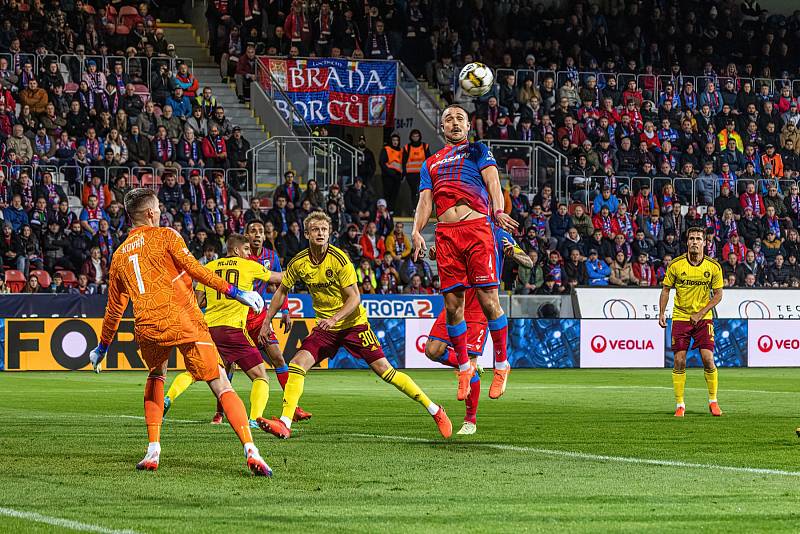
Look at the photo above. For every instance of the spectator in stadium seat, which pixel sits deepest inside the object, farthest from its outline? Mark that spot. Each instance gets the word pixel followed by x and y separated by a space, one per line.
pixel 11 249
pixel 750 198
pixel 397 243
pixel 189 151
pixel 105 240
pixel 147 121
pixel 183 78
pixel 215 149
pixel 32 285
pixel 140 150
pixel 91 215
pixel 607 199
pixel 171 123
pixel 750 227
pixel 14 214
pixel 20 145
pixel 162 151
pixel 180 104
pixel 582 221
pixel 237 158
pixel 83 287
pixel 520 205
pixel 35 97
pixel 358 202
pixel 730 266
pixel 281 215
pixel 223 124
pixel 54 193
pixel 254 212
pixel 58 287
pixel 559 223
pixel 210 215
pixel 288 189
pixel 120 188
pixel 226 196
pixel 597 270
pixel 198 123
pixel 772 246
pixel 245 73
pixel 160 85
pixel 313 194
pixel 54 245
pixel 643 271
pixel 622 271
pixel 778 274
pixel 295 241
pixel 170 193
pixel 575 267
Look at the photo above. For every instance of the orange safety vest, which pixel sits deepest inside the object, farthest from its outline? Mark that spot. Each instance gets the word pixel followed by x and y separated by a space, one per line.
pixel 416 157
pixel 394 158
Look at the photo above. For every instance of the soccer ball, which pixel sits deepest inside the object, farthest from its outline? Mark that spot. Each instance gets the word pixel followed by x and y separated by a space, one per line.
pixel 476 79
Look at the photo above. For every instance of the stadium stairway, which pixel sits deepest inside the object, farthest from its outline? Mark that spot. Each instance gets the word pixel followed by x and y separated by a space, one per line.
pixel 188 45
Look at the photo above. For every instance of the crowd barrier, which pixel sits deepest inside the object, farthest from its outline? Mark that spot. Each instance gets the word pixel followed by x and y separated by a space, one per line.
pixel 751 336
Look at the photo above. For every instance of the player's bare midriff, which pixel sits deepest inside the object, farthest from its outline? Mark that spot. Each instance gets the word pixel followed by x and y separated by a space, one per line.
pixel 458 213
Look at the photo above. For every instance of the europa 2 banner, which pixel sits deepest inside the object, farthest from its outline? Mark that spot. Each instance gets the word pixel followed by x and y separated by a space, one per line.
pixel 333 90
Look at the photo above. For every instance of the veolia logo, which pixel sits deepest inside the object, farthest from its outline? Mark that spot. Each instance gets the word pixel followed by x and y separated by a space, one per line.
pixel 600 343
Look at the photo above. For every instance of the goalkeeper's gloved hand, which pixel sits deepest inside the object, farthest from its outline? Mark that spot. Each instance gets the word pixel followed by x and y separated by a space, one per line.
pixel 97 355
pixel 248 298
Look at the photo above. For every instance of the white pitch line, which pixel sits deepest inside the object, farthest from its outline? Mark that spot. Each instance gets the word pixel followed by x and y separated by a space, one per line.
pixel 59 522
pixel 604 458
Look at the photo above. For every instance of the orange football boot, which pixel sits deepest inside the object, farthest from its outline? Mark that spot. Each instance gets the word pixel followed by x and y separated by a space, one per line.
pixel 301 415
pixel 443 422
pixel 679 411
pixel 714 408
pixel 274 426
pixel 499 383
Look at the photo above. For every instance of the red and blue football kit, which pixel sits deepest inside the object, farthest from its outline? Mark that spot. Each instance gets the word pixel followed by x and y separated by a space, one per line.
pixel 269 259
pixel 465 249
pixel 477 323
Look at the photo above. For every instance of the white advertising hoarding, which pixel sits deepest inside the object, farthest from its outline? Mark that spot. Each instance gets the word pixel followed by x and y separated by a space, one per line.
pixel 619 302
pixel 622 343
pixel 416 336
pixel 773 343
pixel 759 304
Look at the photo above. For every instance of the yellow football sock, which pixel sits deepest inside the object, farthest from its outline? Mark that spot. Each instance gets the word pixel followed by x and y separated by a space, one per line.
pixel 259 395
pixel 712 382
pixel 404 383
pixel 292 392
pixel 180 384
pixel 679 384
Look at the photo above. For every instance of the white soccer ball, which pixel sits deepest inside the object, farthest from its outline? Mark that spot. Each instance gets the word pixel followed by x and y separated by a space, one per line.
pixel 476 79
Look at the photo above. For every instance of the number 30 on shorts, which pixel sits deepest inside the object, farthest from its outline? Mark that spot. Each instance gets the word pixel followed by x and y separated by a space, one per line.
pixel 368 338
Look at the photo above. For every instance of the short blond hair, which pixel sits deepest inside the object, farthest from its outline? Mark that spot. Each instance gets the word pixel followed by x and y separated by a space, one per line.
pixel 316 216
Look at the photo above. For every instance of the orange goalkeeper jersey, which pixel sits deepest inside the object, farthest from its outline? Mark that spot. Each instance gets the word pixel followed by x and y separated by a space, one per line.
pixel 154 269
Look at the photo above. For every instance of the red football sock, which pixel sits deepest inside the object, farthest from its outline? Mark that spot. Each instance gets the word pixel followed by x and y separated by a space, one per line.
pixel 458 337
pixel 449 358
pixel 154 407
pixel 499 331
pixel 282 374
pixel 472 399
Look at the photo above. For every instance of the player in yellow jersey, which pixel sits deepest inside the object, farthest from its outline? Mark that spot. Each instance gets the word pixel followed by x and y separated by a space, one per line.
pixel 341 322
pixel 697 280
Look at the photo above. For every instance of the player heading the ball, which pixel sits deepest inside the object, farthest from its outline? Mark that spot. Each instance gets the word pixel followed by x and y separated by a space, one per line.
pixel 461 180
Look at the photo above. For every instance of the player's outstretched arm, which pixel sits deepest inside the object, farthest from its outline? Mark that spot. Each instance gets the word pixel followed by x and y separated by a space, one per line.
pixel 421 217
pixel 117 302
pixel 184 260
pixel 492 180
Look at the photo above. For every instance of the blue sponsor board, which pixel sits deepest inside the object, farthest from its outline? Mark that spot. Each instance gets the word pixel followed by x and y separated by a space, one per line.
pixel 380 306
pixel 544 343
pixel 730 340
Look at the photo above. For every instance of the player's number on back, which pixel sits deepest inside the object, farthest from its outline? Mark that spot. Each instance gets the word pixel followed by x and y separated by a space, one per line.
pixel 231 276
pixel 134 259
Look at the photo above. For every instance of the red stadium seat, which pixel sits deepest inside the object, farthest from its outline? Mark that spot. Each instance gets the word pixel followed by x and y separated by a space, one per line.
pixel 44 278
pixel 89 9
pixel 69 278
pixel 139 88
pixel 111 11
pixel 70 87
pixel 122 30
pixel 15 280
pixel 24 7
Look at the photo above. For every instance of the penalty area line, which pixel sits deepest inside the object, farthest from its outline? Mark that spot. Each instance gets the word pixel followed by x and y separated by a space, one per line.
pixel 603 458
pixel 59 522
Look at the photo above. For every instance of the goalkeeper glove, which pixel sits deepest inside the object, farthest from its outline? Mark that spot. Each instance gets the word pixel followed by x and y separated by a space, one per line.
pixel 97 355
pixel 248 298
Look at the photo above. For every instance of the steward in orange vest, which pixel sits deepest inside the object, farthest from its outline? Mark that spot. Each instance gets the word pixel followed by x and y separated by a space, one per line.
pixel 414 155
pixel 391 162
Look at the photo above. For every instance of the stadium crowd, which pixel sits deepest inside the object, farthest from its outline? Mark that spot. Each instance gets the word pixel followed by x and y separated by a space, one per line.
pixel 668 115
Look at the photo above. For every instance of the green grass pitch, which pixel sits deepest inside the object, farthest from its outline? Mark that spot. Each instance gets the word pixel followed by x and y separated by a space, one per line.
pixel 371 459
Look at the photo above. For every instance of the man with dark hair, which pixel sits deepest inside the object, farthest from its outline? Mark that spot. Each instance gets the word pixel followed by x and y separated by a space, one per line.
pixel 694 276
